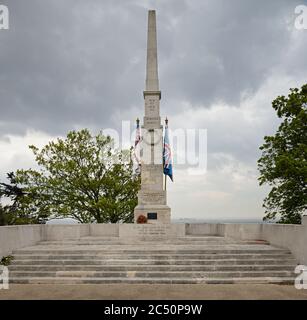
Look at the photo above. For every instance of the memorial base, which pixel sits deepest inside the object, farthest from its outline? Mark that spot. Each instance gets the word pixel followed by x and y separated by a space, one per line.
pixel 154 214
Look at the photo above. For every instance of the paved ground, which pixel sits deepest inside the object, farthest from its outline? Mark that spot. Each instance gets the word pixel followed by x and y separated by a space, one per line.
pixel 140 291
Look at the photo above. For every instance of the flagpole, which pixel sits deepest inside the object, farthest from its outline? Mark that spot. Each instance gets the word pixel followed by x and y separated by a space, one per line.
pixel 163 171
pixel 166 125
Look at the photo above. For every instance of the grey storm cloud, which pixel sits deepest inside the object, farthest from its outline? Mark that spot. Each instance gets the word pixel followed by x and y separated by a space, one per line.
pixel 67 63
pixel 76 63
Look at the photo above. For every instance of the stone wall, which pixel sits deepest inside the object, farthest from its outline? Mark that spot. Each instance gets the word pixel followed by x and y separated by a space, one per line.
pixel 14 237
pixel 64 232
pixel 292 237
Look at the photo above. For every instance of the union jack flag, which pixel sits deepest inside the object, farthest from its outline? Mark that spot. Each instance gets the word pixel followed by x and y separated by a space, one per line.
pixel 167 154
pixel 137 148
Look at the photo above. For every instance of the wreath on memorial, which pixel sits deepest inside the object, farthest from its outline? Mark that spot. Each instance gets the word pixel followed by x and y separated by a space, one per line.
pixel 141 219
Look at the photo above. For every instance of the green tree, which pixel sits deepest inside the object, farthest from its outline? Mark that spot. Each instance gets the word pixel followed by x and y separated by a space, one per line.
pixel 2 216
pixel 15 212
pixel 283 164
pixel 82 177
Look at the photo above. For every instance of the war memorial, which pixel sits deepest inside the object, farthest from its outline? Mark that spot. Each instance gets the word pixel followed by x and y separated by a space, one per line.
pixel 159 251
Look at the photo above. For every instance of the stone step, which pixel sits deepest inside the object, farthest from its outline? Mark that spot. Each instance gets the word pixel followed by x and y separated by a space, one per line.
pixel 73 280
pixel 124 242
pixel 143 256
pixel 222 239
pixel 190 268
pixel 152 274
pixel 153 262
pixel 117 239
pixel 188 239
pixel 165 241
pixel 192 259
pixel 142 250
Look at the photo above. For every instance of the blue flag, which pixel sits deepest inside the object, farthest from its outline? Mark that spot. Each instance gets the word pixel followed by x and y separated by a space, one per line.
pixel 167 155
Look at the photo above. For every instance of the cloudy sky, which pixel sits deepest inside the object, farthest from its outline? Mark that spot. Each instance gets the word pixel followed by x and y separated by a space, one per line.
pixel 72 64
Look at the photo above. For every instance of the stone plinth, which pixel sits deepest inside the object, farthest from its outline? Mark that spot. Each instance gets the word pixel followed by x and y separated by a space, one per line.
pixel 163 213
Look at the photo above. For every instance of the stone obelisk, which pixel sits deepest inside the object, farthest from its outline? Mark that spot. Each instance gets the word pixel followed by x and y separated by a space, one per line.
pixel 152 196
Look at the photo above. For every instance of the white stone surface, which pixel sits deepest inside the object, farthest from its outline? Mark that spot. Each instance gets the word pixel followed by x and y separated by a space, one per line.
pixel 152 81
pixel 163 212
pixel 152 197
pixel 292 237
pixel 62 232
pixel 151 256
pixel 13 237
pixel 104 229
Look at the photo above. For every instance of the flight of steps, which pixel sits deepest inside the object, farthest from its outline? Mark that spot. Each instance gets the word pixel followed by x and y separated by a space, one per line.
pixel 191 259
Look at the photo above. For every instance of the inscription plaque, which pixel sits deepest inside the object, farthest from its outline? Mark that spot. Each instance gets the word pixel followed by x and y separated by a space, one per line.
pixel 152 216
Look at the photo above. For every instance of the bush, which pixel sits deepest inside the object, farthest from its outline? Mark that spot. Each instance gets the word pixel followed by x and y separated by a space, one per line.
pixel 6 261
